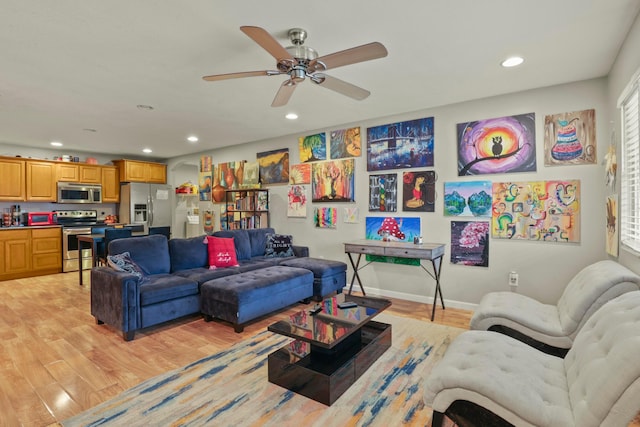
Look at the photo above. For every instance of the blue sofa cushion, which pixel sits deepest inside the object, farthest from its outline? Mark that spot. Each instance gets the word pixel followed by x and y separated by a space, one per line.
pixel 151 253
pixel 165 287
pixel 241 240
pixel 258 239
pixel 188 253
pixel 321 267
pixel 203 274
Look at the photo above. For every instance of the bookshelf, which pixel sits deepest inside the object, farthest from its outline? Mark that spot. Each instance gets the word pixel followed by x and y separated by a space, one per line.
pixel 246 209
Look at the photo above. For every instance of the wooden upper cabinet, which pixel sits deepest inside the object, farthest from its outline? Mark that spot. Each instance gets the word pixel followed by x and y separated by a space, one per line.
pixel 12 180
pixel 110 185
pixel 90 174
pixel 140 171
pixel 41 181
pixel 74 172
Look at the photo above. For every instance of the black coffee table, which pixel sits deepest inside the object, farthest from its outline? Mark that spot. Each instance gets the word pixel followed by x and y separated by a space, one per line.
pixel 332 347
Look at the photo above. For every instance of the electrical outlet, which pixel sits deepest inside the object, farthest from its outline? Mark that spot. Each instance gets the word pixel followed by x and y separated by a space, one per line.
pixel 513 279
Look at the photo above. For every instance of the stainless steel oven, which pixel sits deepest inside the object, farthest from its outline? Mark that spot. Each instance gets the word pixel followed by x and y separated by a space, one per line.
pixel 73 224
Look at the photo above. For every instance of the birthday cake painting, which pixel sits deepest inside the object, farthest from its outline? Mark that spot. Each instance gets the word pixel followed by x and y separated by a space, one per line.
pixel 570 138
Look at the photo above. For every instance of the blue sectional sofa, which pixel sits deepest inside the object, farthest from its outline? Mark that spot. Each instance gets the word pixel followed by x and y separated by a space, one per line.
pixel 175 270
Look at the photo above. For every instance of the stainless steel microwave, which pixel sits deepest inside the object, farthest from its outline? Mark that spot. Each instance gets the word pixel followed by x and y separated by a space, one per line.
pixel 70 192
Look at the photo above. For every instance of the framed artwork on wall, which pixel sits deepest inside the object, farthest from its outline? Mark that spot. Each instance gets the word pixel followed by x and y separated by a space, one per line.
pixel 274 166
pixel 313 147
pixel 325 217
pixel 345 143
pixel 419 191
pixel 297 201
pixel 468 198
pixel 612 225
pixel 400 145
pixel 300 174
pixel 383 193
pixel 500 145
pixel 547 211
pixel 570 138
pixel 392 229
pixel 470 243
pixel 333 181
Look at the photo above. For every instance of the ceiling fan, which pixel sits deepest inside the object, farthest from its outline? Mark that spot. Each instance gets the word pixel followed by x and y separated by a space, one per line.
pixel 299 61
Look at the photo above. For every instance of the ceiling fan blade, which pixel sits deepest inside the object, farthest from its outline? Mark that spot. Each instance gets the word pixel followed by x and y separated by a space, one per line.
pixel 284 93
pixel 267 42
pixel 340 86
pixel 354 55
pixel 216 77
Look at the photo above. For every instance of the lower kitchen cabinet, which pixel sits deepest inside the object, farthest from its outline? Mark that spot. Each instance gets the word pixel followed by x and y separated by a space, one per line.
pixel 30 252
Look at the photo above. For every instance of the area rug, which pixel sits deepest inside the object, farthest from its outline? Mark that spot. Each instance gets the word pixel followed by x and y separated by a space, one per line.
pixel 230 388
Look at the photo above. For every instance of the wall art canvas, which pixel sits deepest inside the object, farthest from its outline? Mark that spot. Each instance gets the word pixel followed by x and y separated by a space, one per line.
pixel 313 147
pixel 251 173
pixel 206 164
pixel 419 191
pixel 274 166
pixel 570 138
pixel 546 211
pixel 392 229
pixel 345 143
pixel 400 145
pixel 325 217
pixel 351 215
pixel 204 186
pixel 300 174
pixel 500 145
pixel 470 243
pixel 333 181
pixel 468 198
pixel 383 193
pixel 612 225
pixel 231 174
pixel 297 201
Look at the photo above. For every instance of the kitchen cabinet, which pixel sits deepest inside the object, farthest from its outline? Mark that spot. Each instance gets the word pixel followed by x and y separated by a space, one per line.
pixel 141 171
pixel 15 251
pixel 68 172
pixel 41 181
pixel 74 172
pixel 46 250
pixel 110 185
pixel 12 181
pixel 90 174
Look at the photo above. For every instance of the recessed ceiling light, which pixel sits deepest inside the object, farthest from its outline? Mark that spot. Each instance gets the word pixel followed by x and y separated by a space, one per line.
pixel 56 143
pixel 512 62
pixel 144 107
pixel 291 116
pixel 147 150
pixel 192 138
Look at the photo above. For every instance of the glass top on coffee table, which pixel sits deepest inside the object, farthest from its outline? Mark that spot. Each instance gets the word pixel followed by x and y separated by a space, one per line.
pixel 331 324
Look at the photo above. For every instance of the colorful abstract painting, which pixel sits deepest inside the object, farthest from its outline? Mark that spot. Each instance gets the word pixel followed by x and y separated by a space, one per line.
pixel 400 145
pixel 313 147
pixel 345 143
pixel 392 229
pixel 383 193
pixel 468 198
pixel 274 166
pixel 325 217
pixel 470 243
pixel 333 181
pixel 205 179
pixel 300 174
pixel 419 191
pixel 251 174
pixel 546 211
pixel 500 145
pixel 297 201
pixel 351 215
pixel 612 225
pixel 570 138
pixel 231 174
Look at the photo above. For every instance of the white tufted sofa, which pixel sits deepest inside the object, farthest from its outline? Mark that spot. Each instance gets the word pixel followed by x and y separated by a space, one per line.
pixel 596 384
pixel 552 328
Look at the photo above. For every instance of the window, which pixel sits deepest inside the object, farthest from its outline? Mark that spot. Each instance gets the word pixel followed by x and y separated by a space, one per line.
pixel 630 182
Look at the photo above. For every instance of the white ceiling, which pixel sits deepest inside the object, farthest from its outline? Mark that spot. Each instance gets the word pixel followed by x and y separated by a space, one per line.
pixel 72 65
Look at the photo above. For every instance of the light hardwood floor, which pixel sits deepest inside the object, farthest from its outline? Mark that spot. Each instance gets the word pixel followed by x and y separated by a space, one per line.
pixel 56 362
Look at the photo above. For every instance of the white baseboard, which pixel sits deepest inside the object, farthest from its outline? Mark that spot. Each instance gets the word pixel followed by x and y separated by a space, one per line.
pixel 417 298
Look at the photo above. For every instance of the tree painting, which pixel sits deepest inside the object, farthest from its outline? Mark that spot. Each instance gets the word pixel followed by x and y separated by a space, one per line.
pixel 470 243
pixel 313 147
pixel 333 181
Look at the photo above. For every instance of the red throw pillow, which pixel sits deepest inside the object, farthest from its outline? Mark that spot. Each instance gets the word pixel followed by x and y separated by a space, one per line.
pixel 222 252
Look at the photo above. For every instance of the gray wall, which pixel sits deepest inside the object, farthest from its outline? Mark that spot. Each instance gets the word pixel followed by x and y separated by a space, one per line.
pixel 544 268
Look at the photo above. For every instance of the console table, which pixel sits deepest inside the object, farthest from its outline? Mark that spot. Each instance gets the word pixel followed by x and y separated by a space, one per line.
pixel 428 251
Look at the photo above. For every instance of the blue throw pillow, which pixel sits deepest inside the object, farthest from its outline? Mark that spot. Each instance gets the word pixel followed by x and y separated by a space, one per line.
pixel 123 262
pixel 278 245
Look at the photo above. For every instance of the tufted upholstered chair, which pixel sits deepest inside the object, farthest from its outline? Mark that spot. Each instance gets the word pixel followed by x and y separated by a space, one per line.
pixel 486 378
pixel 552 328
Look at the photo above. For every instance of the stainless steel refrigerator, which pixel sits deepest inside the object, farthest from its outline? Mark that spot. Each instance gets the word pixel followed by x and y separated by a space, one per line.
pixel 146 204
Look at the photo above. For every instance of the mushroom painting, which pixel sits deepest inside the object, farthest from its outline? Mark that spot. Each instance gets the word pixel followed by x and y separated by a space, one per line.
pixel 390 230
